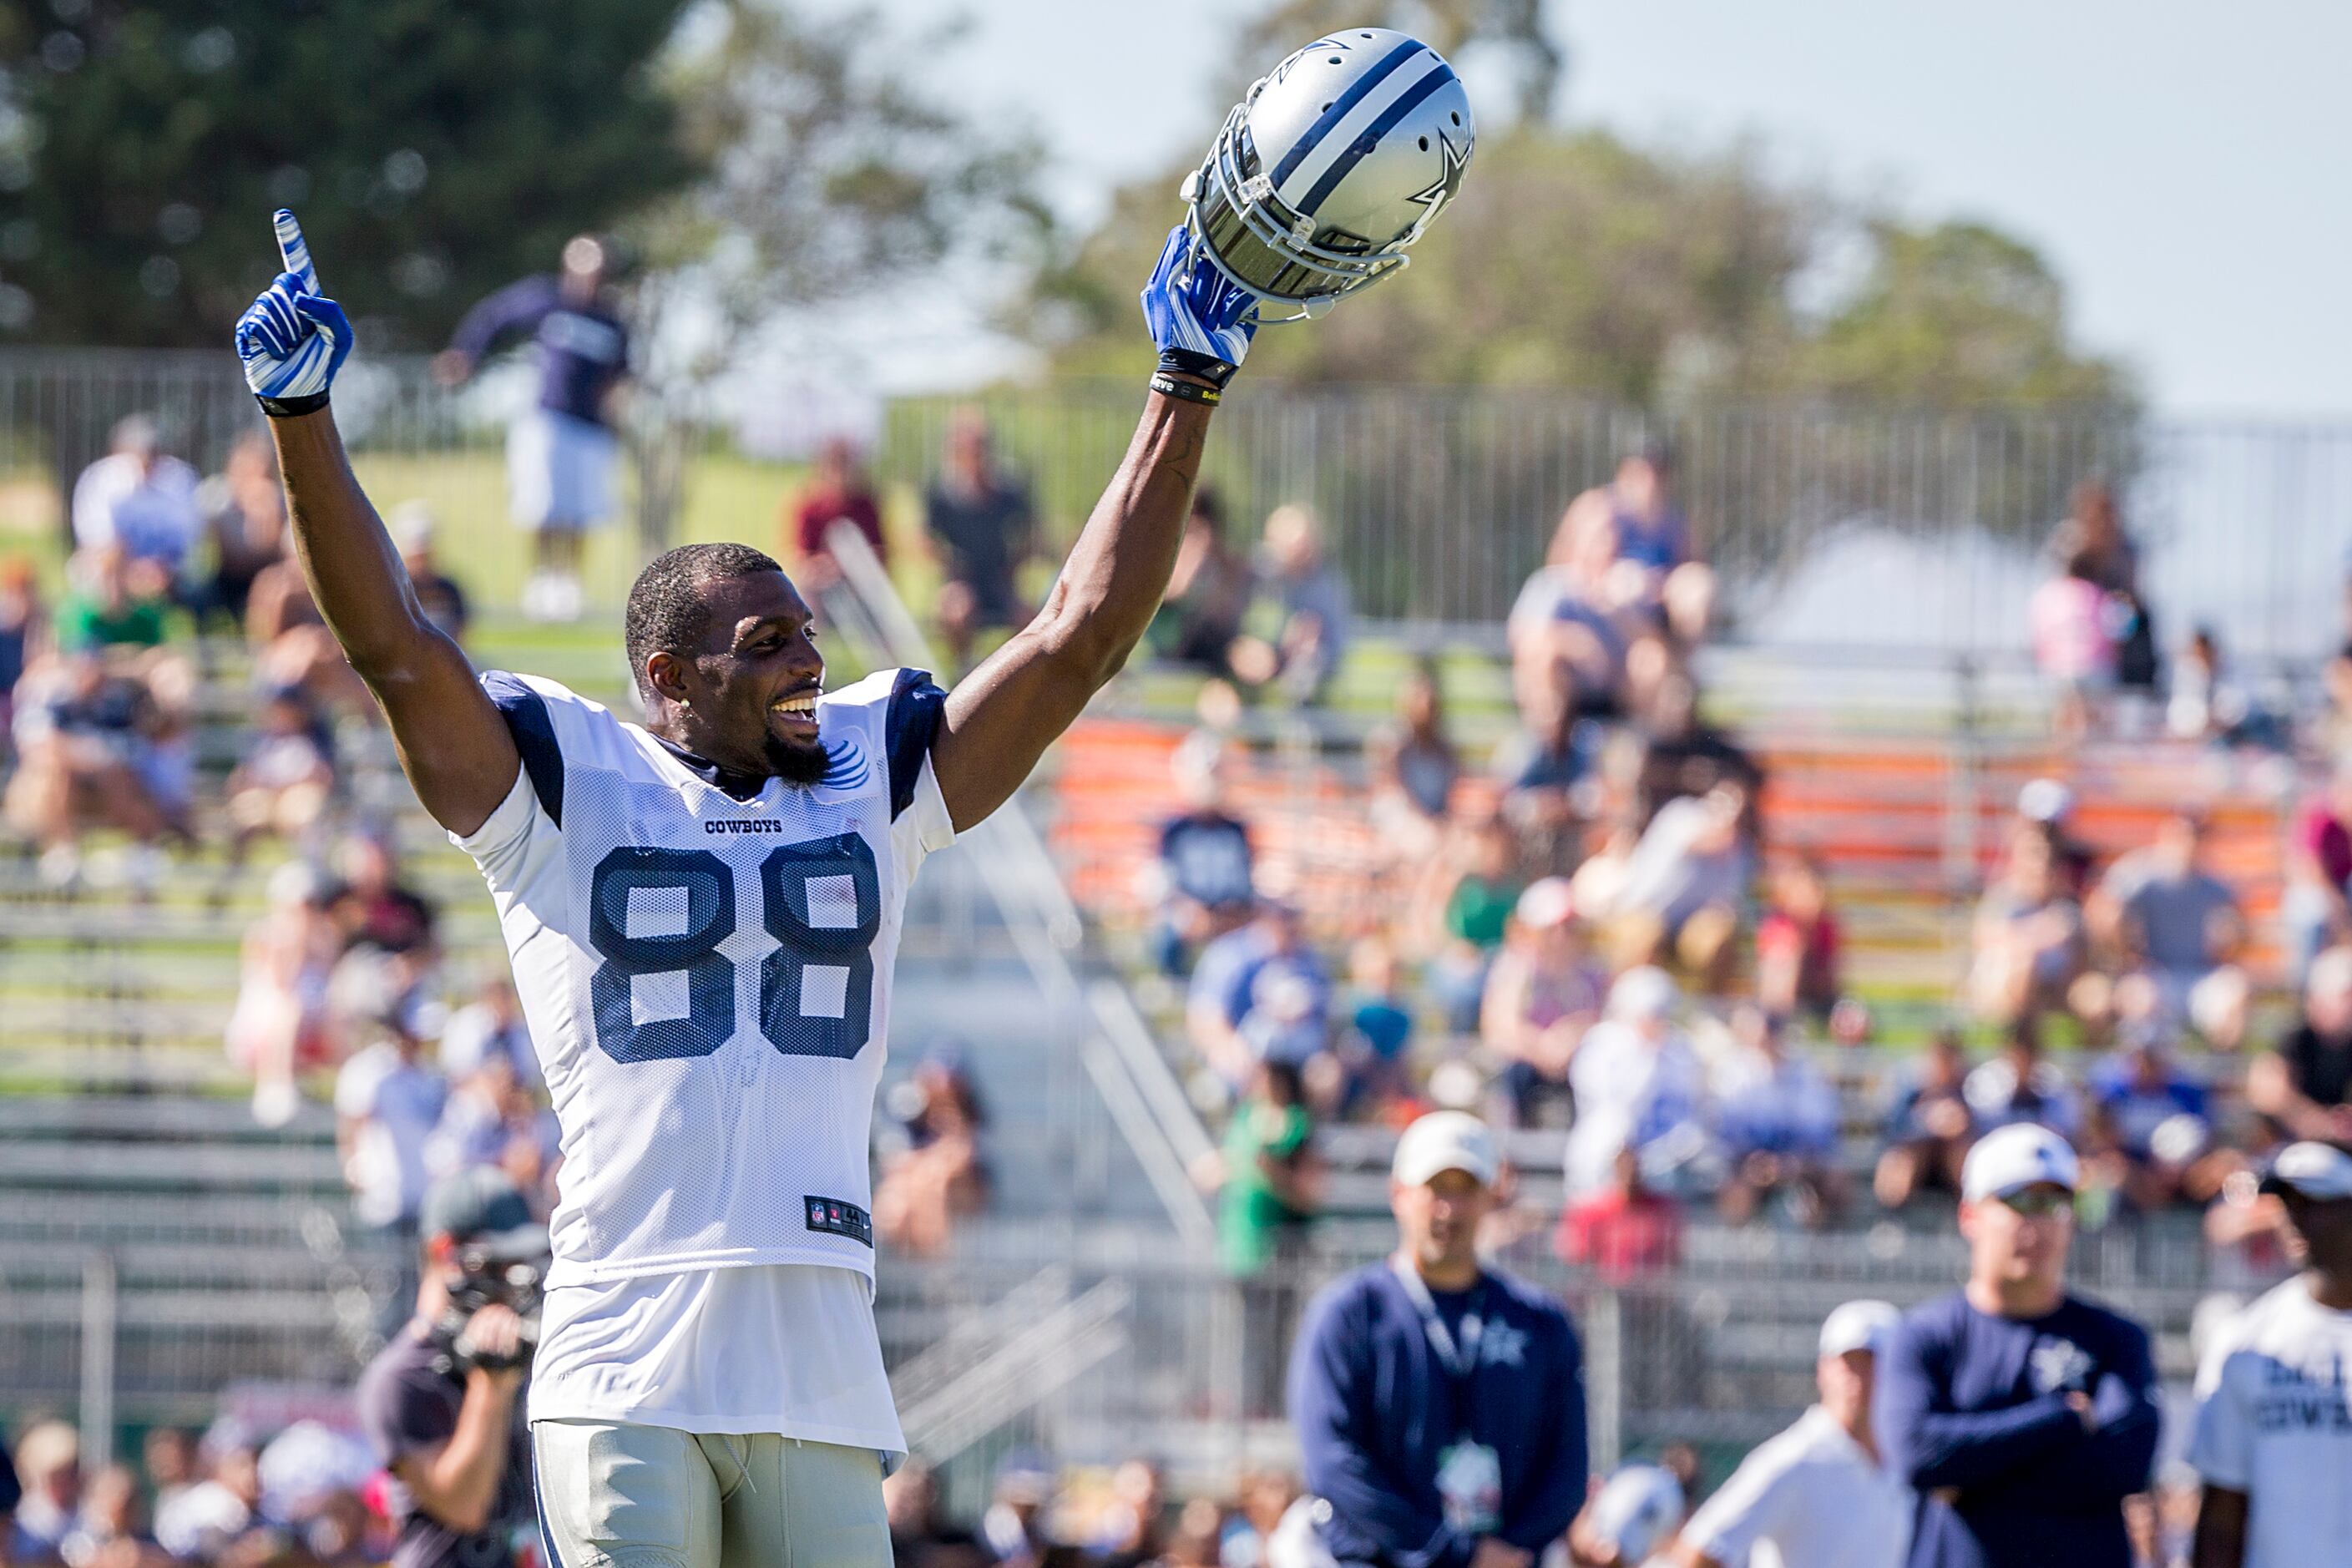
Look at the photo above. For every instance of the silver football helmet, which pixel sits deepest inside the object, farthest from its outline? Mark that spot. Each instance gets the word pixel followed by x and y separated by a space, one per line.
pixel 1336 161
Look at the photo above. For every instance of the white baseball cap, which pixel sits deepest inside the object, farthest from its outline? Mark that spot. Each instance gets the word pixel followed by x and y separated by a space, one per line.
pixel 2014 1158
pixel 2320 1171
pixel 2044 800
pixel 1547 904
pixel 1447 1141
pixel 1646 991
pixel 1864 1325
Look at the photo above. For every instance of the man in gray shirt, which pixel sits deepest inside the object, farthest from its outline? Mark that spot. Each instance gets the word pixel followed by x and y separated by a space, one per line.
pixel 2177 926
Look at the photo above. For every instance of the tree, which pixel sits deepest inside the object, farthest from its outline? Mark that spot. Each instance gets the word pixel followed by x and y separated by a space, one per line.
pixel 1574 260
pixel 433 151
pixel 829 172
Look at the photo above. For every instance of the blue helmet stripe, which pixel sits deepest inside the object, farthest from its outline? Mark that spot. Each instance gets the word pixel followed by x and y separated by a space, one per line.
pixel 1341 105
pixel 1370 138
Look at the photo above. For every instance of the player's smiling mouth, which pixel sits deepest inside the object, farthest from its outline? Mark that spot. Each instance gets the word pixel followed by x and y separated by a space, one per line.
pixel 798 711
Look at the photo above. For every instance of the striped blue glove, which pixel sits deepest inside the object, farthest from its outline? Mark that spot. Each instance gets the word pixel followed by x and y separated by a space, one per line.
pixel 1202 321
pixel 292 339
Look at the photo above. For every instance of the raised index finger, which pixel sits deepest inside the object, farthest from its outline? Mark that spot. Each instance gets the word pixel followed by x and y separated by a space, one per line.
pixel 296 254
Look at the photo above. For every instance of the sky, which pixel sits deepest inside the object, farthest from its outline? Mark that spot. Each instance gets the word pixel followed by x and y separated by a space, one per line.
pixel 2183 165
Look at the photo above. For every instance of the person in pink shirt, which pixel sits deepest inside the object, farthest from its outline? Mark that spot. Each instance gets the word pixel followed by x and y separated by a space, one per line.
pixel 2073 643
pixel 2319 872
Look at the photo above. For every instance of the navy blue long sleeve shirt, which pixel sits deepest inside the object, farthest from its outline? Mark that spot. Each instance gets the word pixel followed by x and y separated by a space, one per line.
pixel 1972 1411
pixel 1374 1408
pixel 584 349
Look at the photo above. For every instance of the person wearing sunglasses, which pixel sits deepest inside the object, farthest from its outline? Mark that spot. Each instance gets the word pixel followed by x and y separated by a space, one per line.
pixel 2022 1413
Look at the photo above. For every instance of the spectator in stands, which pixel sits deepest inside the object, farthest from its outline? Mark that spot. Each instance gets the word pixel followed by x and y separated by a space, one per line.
pixel 1463 905
pixel 110 1527
pixel 1268 1182
pixel 1682 754
pixel 2028 936
pixel 24 626
pixel 838 492
pixel 205 1522
pixel 922 1535
pixel 1540 766
pixel 1684 885
pixel 2023 1416
pixel 1439 1404
pixel 244 508
pixel 1204 869
pixel 2313 908
pixel 140 499
pixel 1018 1525
pixel 935 1172
pixel 1542 993
pixel 2302 1086
pixel 1623 1230
pixel 561 452
pixel 2156 1116
pixel 2047 807
pixel 388 1100
pixel 1638 1086
pixel 373 906
pixel 1798 943
pixel 2093 534
pixel 292 647
pixel 119 601
pixel 86 743
pixel 1570 628
pixel 1775 1115
pixel 1132 1528
pixel 280 1025
pixel 1930 1129
pixel 2019 1083
pixel 490 1025
pixel 2204 703
pixel 1818 1492
pixel 413 527
pixel 168 1457
pixel 474 1129
pixel 282 784
pixel 49 1468
pixel 1311 596
pixel 1412 766
pixel 453 1435
pixel 2177 926
pixel 1377 1038
pixel 1654 533
pixel 1227 980
pixel 1208 594
pixel 980 520
pixel 2073 643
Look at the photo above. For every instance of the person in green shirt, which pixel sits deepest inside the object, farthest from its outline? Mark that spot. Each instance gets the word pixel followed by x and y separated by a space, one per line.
pixel 1267 1194
pixel 122 608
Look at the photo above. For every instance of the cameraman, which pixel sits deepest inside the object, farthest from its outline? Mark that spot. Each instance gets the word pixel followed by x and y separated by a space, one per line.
pixel 442 1401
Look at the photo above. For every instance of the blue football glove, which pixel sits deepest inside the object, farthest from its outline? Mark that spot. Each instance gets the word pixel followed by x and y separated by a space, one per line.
pixel 1202 321
pixel 292 339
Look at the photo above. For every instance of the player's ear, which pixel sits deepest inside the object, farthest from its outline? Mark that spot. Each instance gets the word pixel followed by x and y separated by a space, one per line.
pixel 666 674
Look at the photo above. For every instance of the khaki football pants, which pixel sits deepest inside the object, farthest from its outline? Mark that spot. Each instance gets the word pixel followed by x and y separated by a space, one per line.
pixel 653 1497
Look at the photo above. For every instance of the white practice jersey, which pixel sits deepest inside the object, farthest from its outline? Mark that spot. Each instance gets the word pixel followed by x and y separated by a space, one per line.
pixel 705 965
pixel 2274 1421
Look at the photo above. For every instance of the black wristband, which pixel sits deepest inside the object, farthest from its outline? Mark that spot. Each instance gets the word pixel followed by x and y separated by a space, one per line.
pixel 1167 386
pixel 1208 367
pixel 287 407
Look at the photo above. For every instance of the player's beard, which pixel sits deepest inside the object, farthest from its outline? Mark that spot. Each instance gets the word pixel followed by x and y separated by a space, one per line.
pixel 801 763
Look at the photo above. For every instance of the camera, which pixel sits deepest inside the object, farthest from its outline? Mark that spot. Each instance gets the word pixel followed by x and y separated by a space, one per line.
pixel 519 1284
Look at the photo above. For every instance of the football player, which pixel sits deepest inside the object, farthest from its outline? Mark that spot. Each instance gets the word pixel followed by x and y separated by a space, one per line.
pixel 702 911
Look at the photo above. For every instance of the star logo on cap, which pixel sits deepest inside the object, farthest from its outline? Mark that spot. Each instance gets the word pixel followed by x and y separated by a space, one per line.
pixel 1452 160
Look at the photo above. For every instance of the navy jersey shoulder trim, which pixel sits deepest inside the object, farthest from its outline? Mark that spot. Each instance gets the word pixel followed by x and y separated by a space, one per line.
pixel 533 729
pixel 908 727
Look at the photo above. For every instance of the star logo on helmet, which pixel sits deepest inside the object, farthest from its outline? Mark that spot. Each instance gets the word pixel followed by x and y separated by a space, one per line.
pixel 1451 163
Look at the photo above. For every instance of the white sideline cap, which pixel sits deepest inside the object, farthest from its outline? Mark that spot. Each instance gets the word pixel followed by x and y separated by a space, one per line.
pixel 1447 1141
pixel 1864 1325
pixel 2320 1171
pixel 2014 1158
pixel 2044 800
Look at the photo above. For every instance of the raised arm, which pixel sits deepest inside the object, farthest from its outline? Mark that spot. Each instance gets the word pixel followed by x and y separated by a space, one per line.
pixel 1001 718
pixel 453 744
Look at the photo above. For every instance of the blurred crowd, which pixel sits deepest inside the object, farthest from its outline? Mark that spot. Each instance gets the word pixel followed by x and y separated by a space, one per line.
pixel 1593 935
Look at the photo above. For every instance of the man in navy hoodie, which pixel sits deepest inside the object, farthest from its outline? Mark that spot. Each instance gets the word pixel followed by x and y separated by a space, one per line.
pixel 2024 1416
pixel 1439 1404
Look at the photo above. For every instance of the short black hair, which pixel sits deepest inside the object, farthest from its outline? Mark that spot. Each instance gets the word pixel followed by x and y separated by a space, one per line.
pixel 666 612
